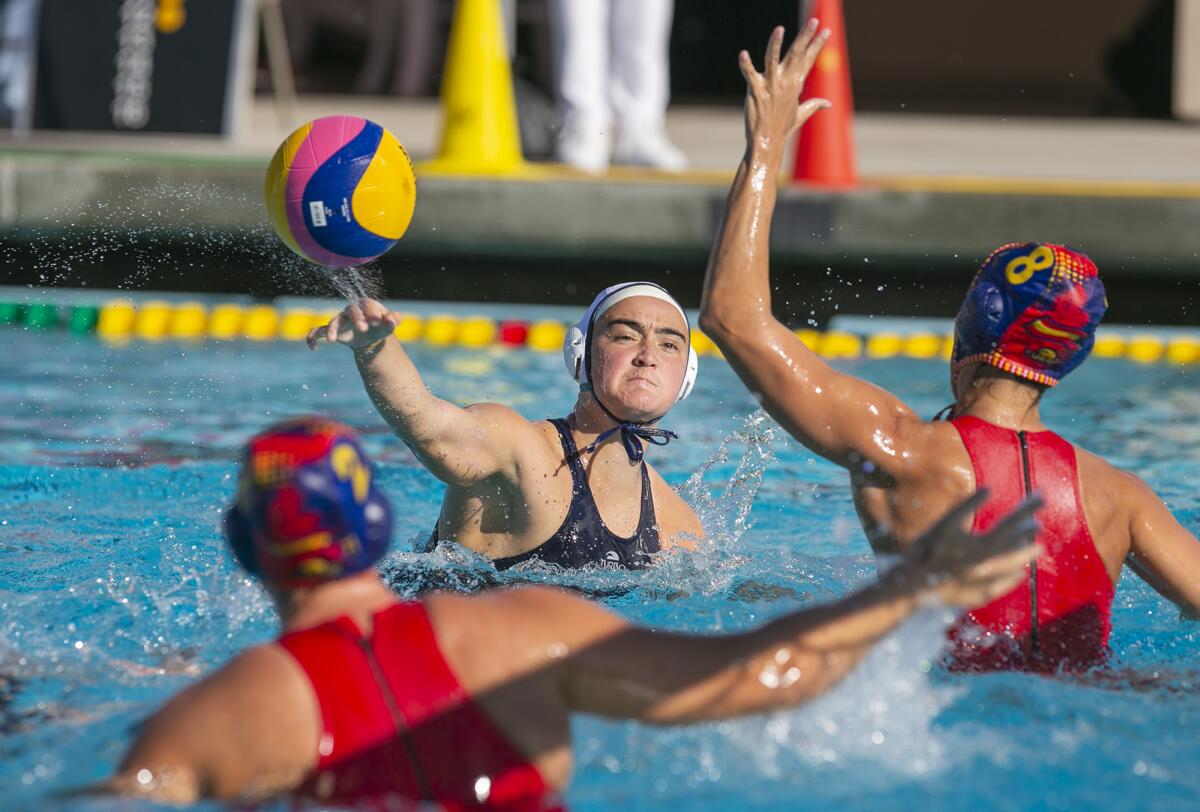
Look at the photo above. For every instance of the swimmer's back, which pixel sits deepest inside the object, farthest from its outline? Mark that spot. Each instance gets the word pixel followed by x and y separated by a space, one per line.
pixel 937 473
pixel 256 727
pixel 396 719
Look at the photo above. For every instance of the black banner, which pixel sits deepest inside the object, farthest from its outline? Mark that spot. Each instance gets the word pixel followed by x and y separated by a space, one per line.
pixel 164 66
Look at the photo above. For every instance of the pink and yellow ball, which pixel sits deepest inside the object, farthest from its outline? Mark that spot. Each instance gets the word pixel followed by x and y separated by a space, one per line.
pixel 340 191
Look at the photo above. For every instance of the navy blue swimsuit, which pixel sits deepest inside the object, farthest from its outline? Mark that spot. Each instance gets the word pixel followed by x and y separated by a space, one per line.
pixel 582 540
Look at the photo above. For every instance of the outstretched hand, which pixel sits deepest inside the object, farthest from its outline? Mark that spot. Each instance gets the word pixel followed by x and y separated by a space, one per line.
pixel 773 110
pixel 360 324
pixel 969 570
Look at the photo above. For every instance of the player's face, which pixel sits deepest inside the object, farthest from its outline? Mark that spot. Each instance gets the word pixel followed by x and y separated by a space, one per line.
pixel 639 357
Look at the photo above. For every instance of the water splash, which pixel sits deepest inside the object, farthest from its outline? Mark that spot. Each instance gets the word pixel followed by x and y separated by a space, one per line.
pixel 878 726
pixel 152 232
pixel 354 284
pixel 724 512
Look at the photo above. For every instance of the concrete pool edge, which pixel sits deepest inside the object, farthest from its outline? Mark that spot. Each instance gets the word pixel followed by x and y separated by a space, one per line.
pixel 899 222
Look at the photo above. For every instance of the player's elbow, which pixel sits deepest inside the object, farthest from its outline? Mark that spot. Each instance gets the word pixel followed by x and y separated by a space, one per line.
pixel 800 681
pixel 714 319
pixel 152 775
pixel 729 328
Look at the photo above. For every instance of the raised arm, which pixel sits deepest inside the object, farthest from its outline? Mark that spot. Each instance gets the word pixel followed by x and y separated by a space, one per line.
pixel 840 417
pixel 1163 552
pixel 459 446
pixel 620 671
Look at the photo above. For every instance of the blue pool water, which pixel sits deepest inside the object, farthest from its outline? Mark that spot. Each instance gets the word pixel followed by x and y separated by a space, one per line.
pixel 115 589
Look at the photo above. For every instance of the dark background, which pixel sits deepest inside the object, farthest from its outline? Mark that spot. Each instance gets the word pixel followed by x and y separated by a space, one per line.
pixel 77 46
pixel 1016 57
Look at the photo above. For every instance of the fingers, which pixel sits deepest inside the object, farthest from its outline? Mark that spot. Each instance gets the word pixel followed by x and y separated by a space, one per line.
pixel 373 309
pixel 999 566
pixel 375 313
pixel 331 329
pixel 808 57
pixel 746 66
pixel 989 579
pixel 357 320
pixel 811 108
pixel 803 38
pixel 1019 525
pixel 355 312
pixel 958 514
pixel 774 44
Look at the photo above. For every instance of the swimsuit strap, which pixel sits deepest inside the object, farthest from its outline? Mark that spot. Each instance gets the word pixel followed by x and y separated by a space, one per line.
pixel 582 490
pixel 647 516
pixel 571 452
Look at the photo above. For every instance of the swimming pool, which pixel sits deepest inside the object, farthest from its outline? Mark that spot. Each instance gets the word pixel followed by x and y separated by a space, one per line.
pixel 115 589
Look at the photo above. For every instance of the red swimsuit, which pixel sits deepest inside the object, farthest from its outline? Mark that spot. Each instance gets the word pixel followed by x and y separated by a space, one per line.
pixel 397 724
pixel 1068 590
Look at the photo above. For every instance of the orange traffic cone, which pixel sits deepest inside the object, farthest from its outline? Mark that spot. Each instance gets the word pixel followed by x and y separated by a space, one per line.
pixel 825 145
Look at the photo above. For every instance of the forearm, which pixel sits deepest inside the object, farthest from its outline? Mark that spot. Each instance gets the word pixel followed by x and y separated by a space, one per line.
pixel 459 446
pixel 737 287
pixel 862 617
pixel 1185 596
pixel 787 662
pixel 397 390
pixel 826 643
pixel 794 385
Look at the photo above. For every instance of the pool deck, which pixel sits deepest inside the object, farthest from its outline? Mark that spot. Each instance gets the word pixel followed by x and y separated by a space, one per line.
pixel 936 193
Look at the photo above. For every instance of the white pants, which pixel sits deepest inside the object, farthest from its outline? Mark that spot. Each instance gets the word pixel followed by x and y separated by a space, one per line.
pixel 611 61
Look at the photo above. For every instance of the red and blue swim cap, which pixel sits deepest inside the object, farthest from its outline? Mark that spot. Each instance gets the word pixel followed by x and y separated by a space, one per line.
pixel 1032 311
pixel 307 508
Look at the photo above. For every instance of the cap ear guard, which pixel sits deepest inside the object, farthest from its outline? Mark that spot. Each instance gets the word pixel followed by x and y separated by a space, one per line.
pixel 574 346
pixel 241 539
pixel 689 375
pixel 375 530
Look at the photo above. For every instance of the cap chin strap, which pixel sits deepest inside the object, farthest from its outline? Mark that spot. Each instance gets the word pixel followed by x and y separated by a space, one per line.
pixel 632 434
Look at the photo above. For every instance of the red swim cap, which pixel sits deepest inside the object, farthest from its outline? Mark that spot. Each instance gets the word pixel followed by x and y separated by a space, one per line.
pixel 307 508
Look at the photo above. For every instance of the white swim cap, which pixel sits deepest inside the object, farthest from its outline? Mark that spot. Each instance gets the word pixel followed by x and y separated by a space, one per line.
pixel 575 345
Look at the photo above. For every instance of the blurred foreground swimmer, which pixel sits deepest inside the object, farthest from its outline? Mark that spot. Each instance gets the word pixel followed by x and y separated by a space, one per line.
pixel 1029 318
pixel 572 492
pixel 465 701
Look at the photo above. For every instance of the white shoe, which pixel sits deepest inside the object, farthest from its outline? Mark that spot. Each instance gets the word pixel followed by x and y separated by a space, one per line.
pixel 648 147
pixel 583 147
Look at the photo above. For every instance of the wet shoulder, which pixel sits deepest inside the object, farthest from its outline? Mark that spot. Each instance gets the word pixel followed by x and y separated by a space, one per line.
pixel 497 415
pixel 534 440
pixel 925 448
pixel 1108 494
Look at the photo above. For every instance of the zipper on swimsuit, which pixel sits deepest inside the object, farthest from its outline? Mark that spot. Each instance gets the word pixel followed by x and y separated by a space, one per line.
pixel 398 720
pixel 1033 572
